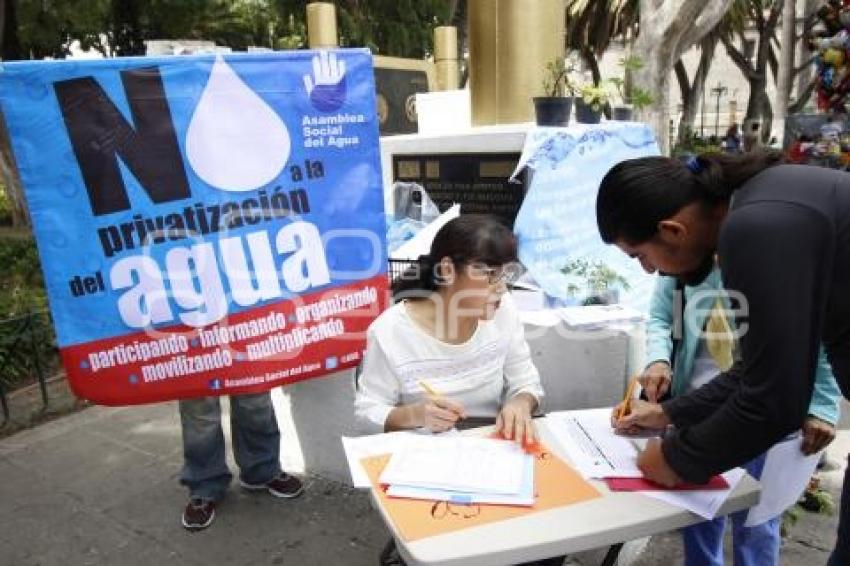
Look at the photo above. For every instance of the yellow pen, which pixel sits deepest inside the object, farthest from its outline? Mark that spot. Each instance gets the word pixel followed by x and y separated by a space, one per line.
pixel 625 408
pixel 435 394
pixel 428 389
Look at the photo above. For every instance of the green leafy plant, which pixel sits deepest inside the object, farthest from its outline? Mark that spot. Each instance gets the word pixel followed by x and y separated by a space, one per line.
pixel 641 98
pixel 27 342
pixel 597 275
pixel 789 518
pixel 814 500
pixel 557 79
pixel 631 63
pixel 620 85
pixel 5 208
pixel 637 97
pixel 595 96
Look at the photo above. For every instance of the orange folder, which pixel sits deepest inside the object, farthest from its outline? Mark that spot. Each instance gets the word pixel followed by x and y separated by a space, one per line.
pixel 556 485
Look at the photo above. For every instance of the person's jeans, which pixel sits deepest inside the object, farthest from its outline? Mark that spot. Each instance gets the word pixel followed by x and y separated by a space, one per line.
pixel 841 555
pixel 256 443
pixel 751 546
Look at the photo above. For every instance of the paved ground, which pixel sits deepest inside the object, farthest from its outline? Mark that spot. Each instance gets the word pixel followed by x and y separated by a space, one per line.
pixel 100 487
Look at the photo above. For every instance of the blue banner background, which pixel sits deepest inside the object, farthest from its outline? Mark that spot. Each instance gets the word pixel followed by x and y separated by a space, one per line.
pixel 348 197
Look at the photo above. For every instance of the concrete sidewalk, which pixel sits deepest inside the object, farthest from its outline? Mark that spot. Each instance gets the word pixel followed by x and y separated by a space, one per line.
pixel 100 487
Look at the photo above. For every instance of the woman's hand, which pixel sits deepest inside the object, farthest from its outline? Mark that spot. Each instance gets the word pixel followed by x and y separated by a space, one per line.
pixel 514 421
pixel 438 414
pixel 817 435
pixel 642 416
pixel 655 380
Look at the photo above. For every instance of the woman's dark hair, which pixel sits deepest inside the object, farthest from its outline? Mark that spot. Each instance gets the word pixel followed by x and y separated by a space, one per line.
pixel 469 238
pixel 637 194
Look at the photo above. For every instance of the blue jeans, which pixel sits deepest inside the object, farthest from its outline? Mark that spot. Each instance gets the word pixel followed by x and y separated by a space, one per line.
pixel 751 546
pixel 841 555
pixel 256 443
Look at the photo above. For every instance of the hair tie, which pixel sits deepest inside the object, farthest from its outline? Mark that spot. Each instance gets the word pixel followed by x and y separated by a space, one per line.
pixel 693 164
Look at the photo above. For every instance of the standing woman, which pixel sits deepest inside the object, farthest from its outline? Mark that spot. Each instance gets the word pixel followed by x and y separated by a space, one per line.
pixel 690 339
pixel 455 330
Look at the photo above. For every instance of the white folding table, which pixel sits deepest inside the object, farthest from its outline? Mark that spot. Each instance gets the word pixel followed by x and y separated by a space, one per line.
pixel 610 520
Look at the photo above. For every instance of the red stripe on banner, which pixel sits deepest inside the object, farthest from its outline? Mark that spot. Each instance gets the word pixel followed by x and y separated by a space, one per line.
pixel 249 352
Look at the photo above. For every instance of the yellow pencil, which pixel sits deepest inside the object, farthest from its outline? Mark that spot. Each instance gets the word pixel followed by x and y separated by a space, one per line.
pixel 630 390
pixel 428 389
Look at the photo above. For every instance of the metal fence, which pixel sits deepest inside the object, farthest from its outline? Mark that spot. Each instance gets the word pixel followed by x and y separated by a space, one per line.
pixel 27 353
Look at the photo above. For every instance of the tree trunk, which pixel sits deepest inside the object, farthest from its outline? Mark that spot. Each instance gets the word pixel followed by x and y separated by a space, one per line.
pixel 11 180
pixel 127 28
pixel 784 80
pixel 688 112
pixel 667 29
pixel 692 91
pixel 802 99
pixel 10 45
pixel 804 78
pixel 459 20
pixel 755 104
pixel 767 119
pixel 592 64
pixel 756 74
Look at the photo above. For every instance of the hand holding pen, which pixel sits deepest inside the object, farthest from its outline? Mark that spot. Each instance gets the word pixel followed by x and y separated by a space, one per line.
pixel 438 413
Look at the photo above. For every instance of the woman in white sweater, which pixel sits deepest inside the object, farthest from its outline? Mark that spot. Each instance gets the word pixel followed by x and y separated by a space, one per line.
pixel 455 330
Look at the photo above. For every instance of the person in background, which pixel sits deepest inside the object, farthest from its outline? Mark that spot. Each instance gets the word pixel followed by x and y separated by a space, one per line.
pixel 256 447
pixel 800 149
pixel 688 355
pixel 732 139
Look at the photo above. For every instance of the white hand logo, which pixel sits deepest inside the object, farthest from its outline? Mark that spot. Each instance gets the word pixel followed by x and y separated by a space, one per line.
pixel 326 70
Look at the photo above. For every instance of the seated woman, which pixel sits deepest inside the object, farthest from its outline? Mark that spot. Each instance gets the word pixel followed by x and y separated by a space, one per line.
pixel 453 330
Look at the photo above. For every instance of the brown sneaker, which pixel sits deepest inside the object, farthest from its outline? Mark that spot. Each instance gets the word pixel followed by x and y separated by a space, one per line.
pixel 198 515
pixel 284 485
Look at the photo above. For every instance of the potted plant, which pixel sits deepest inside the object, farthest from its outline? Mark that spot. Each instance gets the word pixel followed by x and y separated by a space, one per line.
pixel 632 98
pixel 602 283
pixel 554 108
pixel 591 103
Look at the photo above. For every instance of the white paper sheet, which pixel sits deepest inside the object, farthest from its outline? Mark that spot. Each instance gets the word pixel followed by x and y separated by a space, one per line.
pixel 458 463
pixel 359 447
pixel 704 503
pixel 785 475
pixel 524 497
pixel 599 315
pixel 595 449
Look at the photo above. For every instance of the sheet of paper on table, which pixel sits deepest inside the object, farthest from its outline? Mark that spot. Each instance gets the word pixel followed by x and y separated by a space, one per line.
pixel 590 442
pixel 458 463
pixel 524 497
pixel 359 447
pixel 704 503
pixel 592 316
pixel 598 452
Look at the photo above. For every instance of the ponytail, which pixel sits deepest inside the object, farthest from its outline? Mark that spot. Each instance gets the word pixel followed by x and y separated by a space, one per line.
pixel 721 174
pixel 417 277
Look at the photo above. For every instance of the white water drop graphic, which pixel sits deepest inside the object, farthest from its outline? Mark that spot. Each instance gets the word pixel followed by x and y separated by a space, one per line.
pixel 235 142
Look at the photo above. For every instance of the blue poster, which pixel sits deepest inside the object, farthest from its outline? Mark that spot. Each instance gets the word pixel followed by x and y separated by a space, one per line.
pixel 559 241
pixel 206 224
